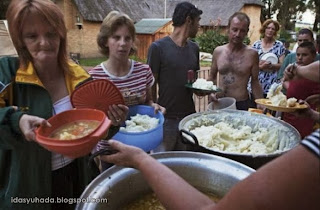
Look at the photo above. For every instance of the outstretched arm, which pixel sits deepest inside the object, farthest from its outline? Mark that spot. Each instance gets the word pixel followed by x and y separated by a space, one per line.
pixel 172 191
pixel 289 182
pixel 281 184
pixel 311 71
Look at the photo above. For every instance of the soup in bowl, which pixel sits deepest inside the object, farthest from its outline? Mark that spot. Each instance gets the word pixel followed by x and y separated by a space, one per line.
pixel 75 130
pixel 74 133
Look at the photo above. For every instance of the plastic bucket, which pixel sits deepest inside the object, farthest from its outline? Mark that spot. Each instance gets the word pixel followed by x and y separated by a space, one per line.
pixel 223 103
pixel 147 140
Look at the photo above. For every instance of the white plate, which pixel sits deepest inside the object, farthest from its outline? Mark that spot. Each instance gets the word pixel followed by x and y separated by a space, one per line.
pixel 271 57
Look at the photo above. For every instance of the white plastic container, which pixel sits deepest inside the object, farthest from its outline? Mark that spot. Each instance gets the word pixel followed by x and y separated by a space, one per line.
pixel 223 103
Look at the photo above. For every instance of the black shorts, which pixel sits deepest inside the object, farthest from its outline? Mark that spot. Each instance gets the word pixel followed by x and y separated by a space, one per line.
pixel 245 105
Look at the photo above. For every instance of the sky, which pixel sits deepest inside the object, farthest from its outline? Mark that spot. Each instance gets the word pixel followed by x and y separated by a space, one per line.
pixel 308 17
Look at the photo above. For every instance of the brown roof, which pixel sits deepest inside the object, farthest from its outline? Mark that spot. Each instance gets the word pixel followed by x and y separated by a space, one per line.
pixel 96 10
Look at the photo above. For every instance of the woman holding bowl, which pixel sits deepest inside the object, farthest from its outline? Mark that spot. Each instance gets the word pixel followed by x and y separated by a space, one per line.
pixel 271 53
pixel 134 79
pixel 34 87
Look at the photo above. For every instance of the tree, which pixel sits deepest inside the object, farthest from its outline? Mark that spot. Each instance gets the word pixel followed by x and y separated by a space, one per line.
pixel 285 10
pixel 314 6
pixel 266 11
pixel 3 8
pixel 213 37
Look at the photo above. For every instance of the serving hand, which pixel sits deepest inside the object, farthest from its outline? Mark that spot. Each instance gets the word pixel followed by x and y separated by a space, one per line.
pixel 290 72
pixel 29 123
pixel 127 156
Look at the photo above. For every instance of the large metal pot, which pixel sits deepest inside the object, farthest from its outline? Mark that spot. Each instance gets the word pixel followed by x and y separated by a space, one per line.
pixel 206 172
pixel 288 136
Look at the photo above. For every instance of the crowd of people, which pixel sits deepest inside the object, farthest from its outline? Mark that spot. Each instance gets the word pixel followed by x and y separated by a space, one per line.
pixel 38 83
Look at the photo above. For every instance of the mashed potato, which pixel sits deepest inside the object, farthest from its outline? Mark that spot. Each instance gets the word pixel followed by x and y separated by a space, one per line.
pixel 291 102
pixel 140 123
pixel 204 84
pixel 223 136
pixel 277 98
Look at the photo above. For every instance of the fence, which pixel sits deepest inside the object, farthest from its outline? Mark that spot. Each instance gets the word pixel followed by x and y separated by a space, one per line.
pixel 201 103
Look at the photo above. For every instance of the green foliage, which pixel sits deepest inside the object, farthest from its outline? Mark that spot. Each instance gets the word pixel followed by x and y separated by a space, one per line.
pixel 136 58
pixel 284 34
pixel 211 39
pixel 205 63
pixel 91 61
pixel 286 11
pixel 246 40
pixel 96 61
pixel 314 6
pixel 3 8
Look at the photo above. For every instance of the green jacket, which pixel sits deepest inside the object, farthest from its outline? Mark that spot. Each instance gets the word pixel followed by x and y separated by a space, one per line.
pixel 25 167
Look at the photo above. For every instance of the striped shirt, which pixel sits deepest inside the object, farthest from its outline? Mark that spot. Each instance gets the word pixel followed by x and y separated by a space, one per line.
pixel 133 86
pixel 312 142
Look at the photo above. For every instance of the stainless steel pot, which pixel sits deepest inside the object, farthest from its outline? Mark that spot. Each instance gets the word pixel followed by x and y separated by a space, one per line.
pixel 288 136
pixel 206 172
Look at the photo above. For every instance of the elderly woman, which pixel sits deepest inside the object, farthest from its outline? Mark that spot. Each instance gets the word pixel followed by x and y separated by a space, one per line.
pixel 34 87
pixel 268 44
pixel 134 79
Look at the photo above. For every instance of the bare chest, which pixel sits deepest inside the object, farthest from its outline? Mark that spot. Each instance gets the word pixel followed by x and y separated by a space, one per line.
pixel 236 64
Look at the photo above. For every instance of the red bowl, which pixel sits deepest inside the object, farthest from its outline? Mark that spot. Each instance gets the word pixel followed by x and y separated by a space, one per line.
pixel 77 147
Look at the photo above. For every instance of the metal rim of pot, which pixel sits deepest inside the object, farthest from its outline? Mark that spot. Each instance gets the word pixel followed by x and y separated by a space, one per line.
pixel 184 133
pixel 209 173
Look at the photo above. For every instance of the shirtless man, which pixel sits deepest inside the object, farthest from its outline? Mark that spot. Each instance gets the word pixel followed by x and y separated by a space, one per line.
pixel 236 63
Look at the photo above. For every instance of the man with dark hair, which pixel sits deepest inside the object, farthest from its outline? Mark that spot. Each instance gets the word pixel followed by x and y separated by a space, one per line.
pixel 170 58
pixel 304 35
pixel 236 63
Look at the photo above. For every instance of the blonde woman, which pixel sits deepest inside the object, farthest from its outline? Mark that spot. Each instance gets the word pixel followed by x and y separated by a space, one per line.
pixel 269 44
